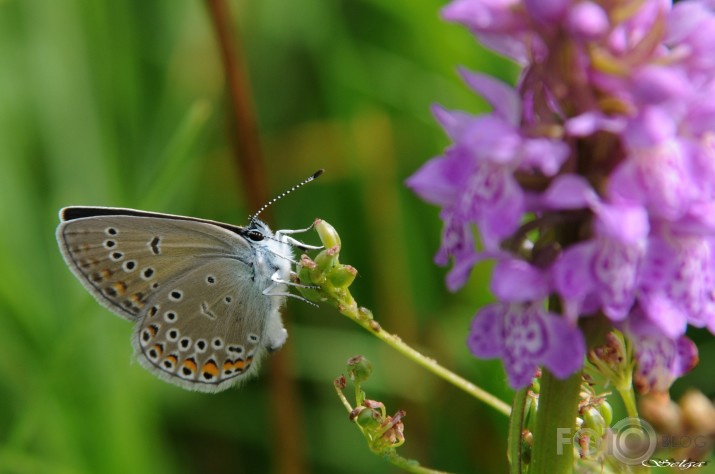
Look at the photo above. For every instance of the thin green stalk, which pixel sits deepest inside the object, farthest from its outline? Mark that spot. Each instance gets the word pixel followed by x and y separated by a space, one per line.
pixel 364 318
pixel 629 400
pixel 409 466
pixel 325 279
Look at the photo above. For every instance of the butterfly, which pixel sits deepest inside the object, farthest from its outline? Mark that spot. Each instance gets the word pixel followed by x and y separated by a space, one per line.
pixel 205 296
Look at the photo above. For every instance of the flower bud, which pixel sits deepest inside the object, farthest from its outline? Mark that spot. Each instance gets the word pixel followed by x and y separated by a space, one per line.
pixel 698 411
pixel 606 411
pixel 328 235
pixel 593 419
pixel 359 368
pixel 614 360
pixel 369 418
pixel 306 277
pixel 342 276
pixel 327 259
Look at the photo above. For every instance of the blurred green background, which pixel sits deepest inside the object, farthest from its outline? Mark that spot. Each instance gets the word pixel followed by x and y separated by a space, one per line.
pixel 124 104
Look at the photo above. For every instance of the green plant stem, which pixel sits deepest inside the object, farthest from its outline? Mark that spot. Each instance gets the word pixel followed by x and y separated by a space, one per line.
pixel 407 465
pixel 516 427
pixel 629 400
pixel 364 318
pixel 558 408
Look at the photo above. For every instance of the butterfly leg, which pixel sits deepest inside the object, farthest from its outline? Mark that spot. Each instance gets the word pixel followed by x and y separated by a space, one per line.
pixel 284 235
pixel 295 231
pixel 277 281
pixel 297 243
pixel 291 295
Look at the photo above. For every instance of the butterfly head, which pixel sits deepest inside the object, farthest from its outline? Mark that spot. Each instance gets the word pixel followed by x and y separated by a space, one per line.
pixel 258 230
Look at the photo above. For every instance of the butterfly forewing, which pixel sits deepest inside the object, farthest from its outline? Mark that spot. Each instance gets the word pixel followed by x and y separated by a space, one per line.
pixel 123 260
pixel 192 287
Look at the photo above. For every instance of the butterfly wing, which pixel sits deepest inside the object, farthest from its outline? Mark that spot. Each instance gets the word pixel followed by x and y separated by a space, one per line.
pixel 206 330
pixel 195 290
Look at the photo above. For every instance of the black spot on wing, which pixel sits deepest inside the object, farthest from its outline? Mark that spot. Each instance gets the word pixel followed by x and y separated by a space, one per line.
pixel 154 244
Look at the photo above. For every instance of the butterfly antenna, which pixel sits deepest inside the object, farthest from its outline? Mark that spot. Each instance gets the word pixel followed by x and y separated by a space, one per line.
pixel 285 193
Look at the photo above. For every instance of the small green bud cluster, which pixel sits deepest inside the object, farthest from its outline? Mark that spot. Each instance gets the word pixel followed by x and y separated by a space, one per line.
pixel 325 278
pixel 382 432
pixel 613 361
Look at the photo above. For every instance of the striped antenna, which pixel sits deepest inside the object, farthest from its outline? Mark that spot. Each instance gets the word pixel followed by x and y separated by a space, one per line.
pixel 285 193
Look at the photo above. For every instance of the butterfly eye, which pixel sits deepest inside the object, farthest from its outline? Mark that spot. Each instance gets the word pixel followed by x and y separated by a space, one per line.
pixel 254 235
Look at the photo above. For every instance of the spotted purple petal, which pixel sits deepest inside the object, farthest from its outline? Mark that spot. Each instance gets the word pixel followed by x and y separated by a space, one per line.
pixel 526 336
pixel 457 240
pixel 677 283
pixel 663 313
pixel 486 338
pixel 615 267
pixel 660 358
pixel 604 270
pixel 493 200
pixel 526 342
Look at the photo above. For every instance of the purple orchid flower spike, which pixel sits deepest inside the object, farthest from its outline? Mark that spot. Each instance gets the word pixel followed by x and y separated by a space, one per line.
pixel 592 182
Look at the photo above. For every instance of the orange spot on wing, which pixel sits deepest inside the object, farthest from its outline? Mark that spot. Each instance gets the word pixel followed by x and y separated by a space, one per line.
pixel 190 364
pixel 172 358
pixel 120 287
pixel 228 365
pixel 136 298
pixel 210 367
pixel 237 364
pixel 159 349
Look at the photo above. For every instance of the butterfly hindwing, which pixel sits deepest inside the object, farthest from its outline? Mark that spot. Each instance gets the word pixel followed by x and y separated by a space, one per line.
pixel 206 330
